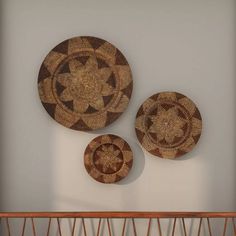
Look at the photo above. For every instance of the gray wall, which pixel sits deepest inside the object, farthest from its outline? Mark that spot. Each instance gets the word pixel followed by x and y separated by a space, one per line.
pixel 182 45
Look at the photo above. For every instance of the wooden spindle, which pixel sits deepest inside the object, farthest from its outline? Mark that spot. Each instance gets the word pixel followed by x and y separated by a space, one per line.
pixel 209 226
pixel 59 226
pixel 49 225
pixel 84 227
pixel 184 227
pixel 73 227
pixel 225 226
pixel 109 227
pixel 8 227
pixel 234 226
pixel 33 226
pixel 134 227
pixel 23 228
pixel 149 226
pixel 199 228
pixel 159 226
pixel 123 229
pixel 99 226
pixel 173 229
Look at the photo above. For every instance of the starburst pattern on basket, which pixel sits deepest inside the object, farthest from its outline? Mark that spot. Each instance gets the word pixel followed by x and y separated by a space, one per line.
pixel 167 124
pixel 85 85
pixel 108 158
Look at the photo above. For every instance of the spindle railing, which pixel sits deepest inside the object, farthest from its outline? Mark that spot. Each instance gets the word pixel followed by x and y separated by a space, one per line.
pixel 27 223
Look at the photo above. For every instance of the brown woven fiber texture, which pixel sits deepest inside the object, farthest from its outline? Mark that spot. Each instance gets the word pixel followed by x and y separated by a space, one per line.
pixel 108 158
pixel 168 125
pixel 85 83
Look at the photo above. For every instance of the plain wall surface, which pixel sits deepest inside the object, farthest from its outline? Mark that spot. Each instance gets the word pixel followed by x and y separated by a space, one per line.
pixel 186 46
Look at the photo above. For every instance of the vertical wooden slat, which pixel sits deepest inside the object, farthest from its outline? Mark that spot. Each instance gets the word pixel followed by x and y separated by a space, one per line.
pixel 0 223
pixel 209 226
pixel 109 227
pixel 173 230
pixel 149 226
pixel 234 226
pixel 8 227
pixel 84 227
pixel 73 227
pixel 49 225
pixel 159 226
pixel 123 229
pixel 33 226
pixel 225 226
pixel 23 228
pixel 184 227
pixel 99 226
pixel 59 226
pixel 199 228
pixel 134 227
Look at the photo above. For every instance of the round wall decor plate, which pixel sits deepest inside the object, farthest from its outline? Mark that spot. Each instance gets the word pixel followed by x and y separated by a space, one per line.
pixel 85 83
pixel 168 125
pixel 108 158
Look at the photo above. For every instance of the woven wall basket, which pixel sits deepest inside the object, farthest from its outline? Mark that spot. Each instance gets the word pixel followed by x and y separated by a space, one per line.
pixel 168 125
pixel 85 83
pixel 108 158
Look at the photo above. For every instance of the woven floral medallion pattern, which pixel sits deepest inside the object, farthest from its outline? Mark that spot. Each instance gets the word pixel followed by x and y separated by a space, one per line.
pixel 85 83
pixel 108 158
pixel 168 125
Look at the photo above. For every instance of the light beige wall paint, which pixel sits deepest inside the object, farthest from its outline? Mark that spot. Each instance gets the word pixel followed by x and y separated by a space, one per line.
pixel 182 45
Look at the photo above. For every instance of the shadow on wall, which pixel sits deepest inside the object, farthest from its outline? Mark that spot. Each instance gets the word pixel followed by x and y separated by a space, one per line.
pixel 138 164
